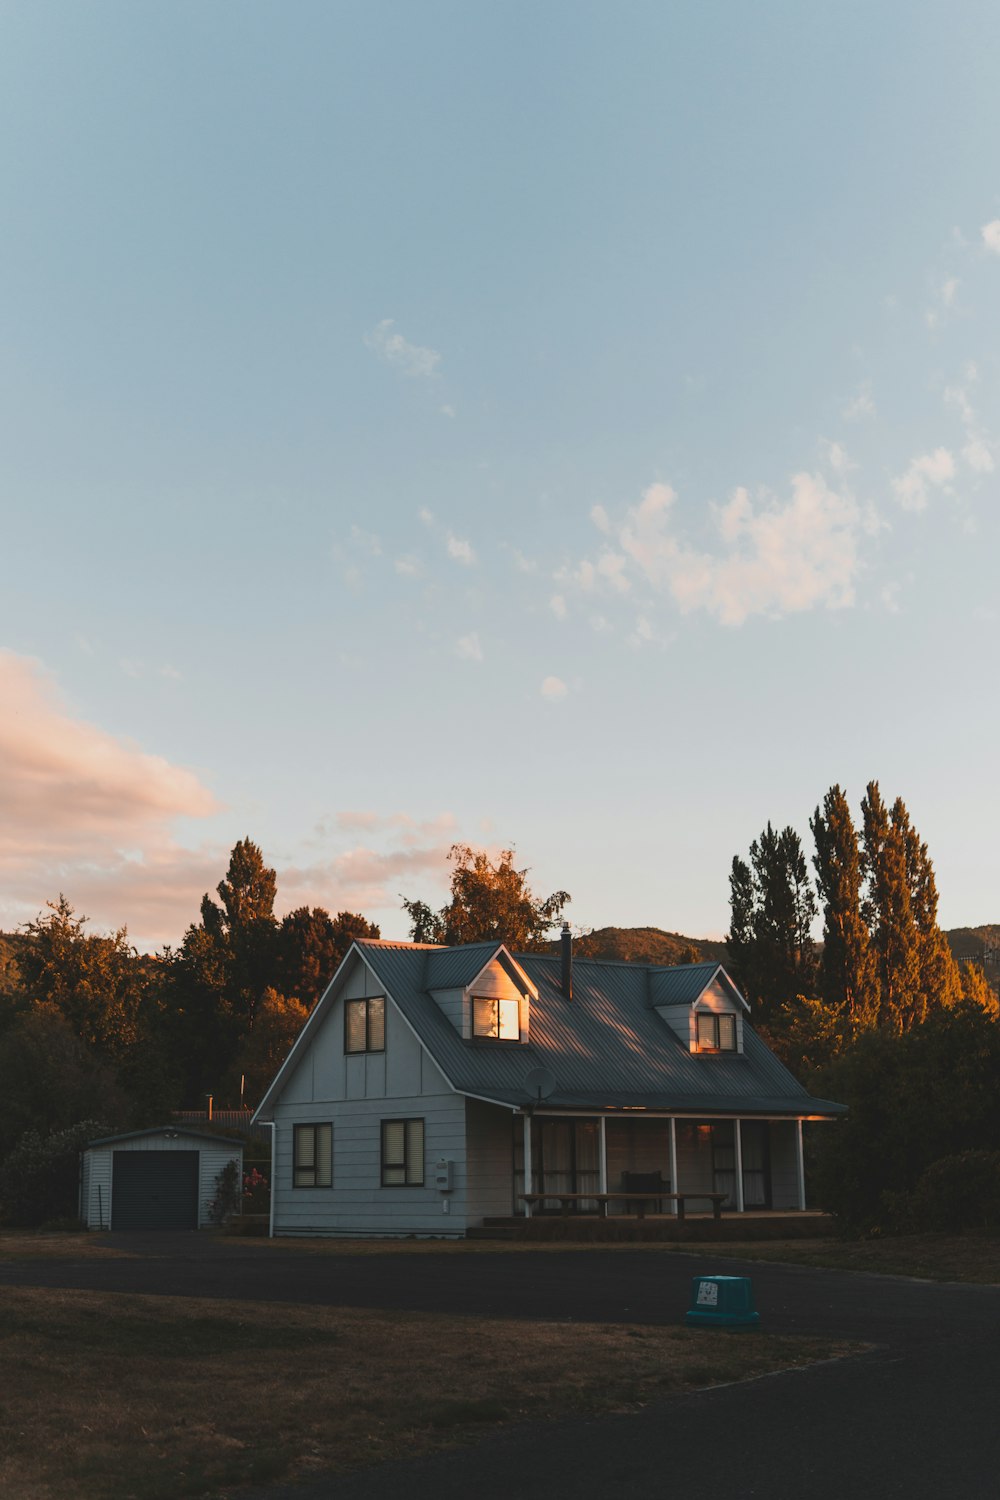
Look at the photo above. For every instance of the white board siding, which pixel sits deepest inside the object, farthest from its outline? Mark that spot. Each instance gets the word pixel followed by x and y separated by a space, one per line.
pixel 357 1203
pixel 98 1172
pixel 490 1161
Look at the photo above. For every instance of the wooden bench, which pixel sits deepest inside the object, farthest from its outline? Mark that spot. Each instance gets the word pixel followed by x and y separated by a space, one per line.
pixel 642 1200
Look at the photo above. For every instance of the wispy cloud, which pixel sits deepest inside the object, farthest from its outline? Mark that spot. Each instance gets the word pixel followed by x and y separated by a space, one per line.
pixel 977 452
pixel 460 550
pixel 409 359
pixel 861 405
pixel 924 473
pixel 469 647
pixel 772 557
pixel 991 236
pixel 553 688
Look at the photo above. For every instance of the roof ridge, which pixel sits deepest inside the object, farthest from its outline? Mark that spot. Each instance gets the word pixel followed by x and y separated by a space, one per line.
pixel 399 943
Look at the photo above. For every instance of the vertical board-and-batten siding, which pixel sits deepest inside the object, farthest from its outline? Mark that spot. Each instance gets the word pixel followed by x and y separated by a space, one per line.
pixel 400 1083
pixel 98 1172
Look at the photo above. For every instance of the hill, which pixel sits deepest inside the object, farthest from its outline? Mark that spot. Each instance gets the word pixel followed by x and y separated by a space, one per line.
pixel 647 945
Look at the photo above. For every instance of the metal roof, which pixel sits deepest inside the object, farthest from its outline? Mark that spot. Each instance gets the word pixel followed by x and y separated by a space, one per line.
pixel 607 1048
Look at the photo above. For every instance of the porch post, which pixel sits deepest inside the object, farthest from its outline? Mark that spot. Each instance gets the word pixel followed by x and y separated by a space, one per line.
pixel 738 1139
pixel 800 1168
pixel 602 1155
pixel 526 1117
pixel 674 1205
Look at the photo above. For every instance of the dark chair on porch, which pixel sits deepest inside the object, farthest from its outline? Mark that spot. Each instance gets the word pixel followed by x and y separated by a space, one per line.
pixel 644 1182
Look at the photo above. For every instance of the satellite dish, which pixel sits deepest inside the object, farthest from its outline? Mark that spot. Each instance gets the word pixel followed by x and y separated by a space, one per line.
pixel 539 1083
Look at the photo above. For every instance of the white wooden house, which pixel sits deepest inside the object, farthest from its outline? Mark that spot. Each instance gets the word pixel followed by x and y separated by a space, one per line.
pixel 425 1076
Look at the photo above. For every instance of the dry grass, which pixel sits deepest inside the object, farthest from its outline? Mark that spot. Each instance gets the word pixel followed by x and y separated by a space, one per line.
pixel 110 1397
pixel 973 1257
pixel 37 1244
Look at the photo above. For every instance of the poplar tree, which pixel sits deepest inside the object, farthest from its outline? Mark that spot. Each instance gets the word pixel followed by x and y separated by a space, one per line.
pixel 773 906
pixel 848 978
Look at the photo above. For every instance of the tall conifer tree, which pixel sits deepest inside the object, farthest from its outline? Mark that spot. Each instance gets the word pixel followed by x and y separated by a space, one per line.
pixel 847 971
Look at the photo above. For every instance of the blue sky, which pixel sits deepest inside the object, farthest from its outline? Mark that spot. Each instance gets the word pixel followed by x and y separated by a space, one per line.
pixel 571 426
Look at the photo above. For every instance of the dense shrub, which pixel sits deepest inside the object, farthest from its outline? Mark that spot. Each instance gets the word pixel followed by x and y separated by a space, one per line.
pixel 913 1099
pixel 40 1179
pixel 957 1192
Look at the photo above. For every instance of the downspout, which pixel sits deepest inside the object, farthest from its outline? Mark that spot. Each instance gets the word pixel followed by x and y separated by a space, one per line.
pixel 274 1157
pixel 602 1160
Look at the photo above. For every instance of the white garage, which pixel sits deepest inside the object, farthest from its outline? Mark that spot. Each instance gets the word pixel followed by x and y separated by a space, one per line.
pixel 165 1178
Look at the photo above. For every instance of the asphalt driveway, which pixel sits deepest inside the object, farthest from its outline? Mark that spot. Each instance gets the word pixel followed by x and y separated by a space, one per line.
pixel 917 1417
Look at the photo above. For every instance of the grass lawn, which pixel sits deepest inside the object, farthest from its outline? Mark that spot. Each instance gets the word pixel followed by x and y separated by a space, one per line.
pixel 974 1256
pixel 37 1244
pixel 933 1257
pixel 110 1397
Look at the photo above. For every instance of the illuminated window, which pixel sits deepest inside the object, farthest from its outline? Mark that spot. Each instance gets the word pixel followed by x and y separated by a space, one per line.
pixel 312 1156
pixel 496 1018
pixel 364 1025
pixel 716 1033
pixel 402 1153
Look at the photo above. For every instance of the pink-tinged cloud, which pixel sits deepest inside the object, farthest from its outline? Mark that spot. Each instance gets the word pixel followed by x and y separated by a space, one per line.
pixel 91 815
pixel 78 804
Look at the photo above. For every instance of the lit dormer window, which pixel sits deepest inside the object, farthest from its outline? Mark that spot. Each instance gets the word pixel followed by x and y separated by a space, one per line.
pixel 716 1033
pixel 499 1019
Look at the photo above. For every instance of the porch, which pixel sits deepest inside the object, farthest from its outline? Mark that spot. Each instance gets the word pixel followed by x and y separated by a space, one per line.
pixel 751 1165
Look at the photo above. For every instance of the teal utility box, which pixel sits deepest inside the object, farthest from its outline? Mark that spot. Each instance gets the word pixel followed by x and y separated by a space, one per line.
pixel 722 1302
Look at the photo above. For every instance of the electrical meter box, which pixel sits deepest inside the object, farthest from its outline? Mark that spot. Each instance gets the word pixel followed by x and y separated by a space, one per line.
pixel 443 1174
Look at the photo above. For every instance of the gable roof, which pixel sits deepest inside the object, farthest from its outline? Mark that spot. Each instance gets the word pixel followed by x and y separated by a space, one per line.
pixel 171 1131
pixel 684 984
pixel 607 1047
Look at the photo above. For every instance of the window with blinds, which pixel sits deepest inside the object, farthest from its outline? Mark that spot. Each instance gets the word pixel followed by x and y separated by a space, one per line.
pixel 402 1153
pixel 312 1156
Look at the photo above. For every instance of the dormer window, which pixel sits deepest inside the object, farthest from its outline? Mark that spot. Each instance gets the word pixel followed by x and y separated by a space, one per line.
pixel 716 1033
pixel 499 1019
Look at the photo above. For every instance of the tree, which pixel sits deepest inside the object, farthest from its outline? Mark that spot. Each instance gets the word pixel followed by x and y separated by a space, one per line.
pixel 280 1018
pixel 916 971
pixel 773 907
pixel 913 1097
pixel 490 901
pixel 311 945
pixel 97 983
pixel 847 970
pixel 51 1078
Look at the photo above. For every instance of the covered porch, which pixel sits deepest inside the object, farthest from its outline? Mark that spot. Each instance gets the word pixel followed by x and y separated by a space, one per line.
pixel 755 1163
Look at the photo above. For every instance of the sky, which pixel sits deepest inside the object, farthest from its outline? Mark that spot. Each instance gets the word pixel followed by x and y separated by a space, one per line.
pixel 571 427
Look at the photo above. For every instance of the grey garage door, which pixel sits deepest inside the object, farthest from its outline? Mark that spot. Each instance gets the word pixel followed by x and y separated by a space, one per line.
pixel 155 1190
